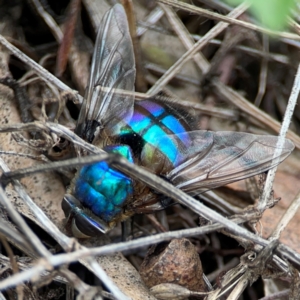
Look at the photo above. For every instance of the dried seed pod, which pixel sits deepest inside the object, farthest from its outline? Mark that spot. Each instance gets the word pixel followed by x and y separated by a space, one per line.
pixel 175 262
pixel 171 291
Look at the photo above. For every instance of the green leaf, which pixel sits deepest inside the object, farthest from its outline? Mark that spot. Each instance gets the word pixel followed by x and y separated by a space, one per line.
pixel 272 14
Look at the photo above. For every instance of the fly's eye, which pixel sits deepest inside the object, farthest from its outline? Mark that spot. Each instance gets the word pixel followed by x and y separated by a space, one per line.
pixel 87 225
pixel 77 232
pixel 68 205
pixel 83 224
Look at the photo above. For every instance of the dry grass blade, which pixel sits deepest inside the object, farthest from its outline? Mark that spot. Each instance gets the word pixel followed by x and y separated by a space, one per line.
pixel 197 10
pixel 66 43
pixel 283 131
pixel 210 63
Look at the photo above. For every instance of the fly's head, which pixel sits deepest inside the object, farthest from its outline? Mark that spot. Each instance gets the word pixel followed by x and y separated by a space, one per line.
pixel 98 195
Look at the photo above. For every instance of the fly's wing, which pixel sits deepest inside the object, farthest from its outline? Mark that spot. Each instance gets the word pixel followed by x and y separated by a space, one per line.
pixel 212 159
pixel 113 67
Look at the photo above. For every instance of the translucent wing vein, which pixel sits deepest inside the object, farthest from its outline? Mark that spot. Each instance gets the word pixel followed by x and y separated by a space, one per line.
pixel 217 158
pixel 113 67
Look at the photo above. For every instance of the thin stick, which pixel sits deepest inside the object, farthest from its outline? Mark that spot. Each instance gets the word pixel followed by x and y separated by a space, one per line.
pixel 185 37
pixel 62 239
pixel 228 19
pixel 30 236
pixel 43 73
pixel 285 219
pixel 281 139
pixel 197 47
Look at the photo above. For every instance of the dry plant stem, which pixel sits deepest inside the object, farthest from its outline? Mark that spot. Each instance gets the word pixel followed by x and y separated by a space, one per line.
pixel 68 49
pixel 43 73
pixel 263 73
pixel 236 99
pixel 61 259
pixel 44 222
pixel 224 206
pixel 224 91
pixel 228 19
pixel 190 53
pixel 174 291
pixel 216 4
pixel 216 244
pixel 66 42
pixel 242 103
pixel 283 131
pixel 14 265
pixel 28 233
pixel 83 289
pixel 294 25
pixel 34 157
pixel 185 37
pixel 140 83
pixel 205 109
pixel 277 296
pixel 105 279
pixel 24 276
pixel 132 170
pixel 216 112
pixel 56 31
pixel 239 288
pixel 49 227
pixel 152 19
pixel 231 264
pixel 247 272
pixel 64 241
pixel 155 223
pixel 164 187
pixel 230 279
pixel 95 10
pixel 183 78
pixel 25 266
pixel 285 219
pixel 16 238
pixel 283 59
